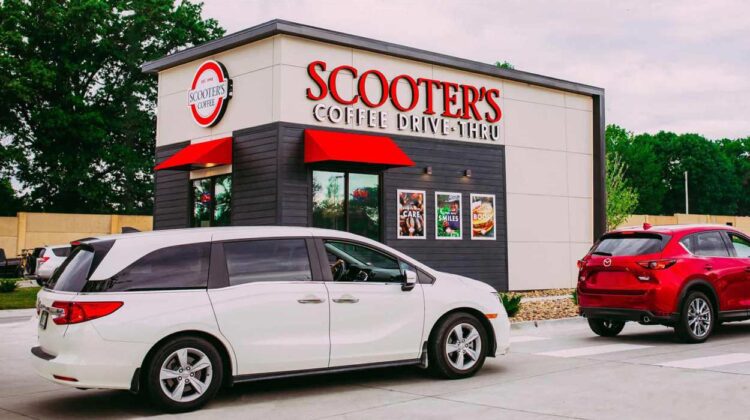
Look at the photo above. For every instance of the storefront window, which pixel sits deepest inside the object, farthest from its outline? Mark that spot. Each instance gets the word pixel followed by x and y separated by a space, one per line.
pixel 347 201
pixel 212 201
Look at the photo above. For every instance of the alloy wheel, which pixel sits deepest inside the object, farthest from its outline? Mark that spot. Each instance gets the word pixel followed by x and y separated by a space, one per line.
pixel 463 346
pixel 699 317
pixel 185 374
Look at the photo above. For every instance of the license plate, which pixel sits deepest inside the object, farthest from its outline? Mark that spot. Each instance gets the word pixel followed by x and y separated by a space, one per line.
pixel 43 319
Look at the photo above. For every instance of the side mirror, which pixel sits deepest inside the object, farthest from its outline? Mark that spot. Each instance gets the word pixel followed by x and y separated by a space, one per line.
pixel 410 280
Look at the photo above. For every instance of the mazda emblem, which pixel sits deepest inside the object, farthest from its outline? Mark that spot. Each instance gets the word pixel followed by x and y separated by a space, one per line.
pixel 607 262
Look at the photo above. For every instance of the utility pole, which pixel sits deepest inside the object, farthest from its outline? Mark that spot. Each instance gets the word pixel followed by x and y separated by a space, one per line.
pixel 687 206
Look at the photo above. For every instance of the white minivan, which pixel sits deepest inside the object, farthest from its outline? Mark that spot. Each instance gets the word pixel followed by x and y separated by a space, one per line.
pixel 181 313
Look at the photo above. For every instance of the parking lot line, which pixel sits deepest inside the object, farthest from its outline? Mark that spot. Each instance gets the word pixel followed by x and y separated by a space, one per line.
pixel 591 351
pixel 709 361
pixel 526 338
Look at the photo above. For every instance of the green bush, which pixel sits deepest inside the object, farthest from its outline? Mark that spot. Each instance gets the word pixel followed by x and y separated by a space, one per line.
pixel 574 296
pixel 8 285
pixel 511 302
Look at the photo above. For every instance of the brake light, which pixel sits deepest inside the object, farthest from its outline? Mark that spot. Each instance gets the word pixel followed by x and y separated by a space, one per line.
pixel 581 264
pixel 43 260
pixel 77 312
pixel 657 264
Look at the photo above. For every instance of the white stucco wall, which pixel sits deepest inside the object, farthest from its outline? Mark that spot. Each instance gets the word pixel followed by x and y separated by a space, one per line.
pixel 548 136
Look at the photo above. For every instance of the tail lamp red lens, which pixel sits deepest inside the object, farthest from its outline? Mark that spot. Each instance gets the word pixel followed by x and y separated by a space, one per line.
pixel 581 264
pixel 77 312
pixel 43 260
pixel 657 264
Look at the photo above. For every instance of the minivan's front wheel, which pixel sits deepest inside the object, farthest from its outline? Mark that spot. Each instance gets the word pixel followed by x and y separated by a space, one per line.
pixel 697 319
pixel 606 327
pixel 458 347
pixel 184 374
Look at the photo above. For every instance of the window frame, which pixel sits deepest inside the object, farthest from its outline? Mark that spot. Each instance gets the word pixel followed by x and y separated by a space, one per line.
pixel 211 212
pixel 724 238
pixel 328 276
pixel 347 170
pixel 218 272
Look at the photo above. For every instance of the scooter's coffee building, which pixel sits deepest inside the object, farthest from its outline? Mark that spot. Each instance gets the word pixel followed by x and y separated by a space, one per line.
pixel 491 173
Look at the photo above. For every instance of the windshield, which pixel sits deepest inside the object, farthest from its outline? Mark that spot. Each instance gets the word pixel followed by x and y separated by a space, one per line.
pixel 630 244
pixel 73 273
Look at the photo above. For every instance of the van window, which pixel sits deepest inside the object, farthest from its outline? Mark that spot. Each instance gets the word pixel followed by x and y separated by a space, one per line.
pixel 61 252
pixel 706 244
pixel 267 260
pixel 174 267
pixel 73 273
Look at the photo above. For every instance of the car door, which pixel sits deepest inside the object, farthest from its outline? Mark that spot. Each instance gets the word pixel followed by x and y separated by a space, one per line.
pixel 372 319
pixel 273 305
pixel 716 264
pixel 740 249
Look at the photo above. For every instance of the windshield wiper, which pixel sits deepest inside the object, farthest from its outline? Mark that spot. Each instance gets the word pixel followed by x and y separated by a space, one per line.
pixel 606 254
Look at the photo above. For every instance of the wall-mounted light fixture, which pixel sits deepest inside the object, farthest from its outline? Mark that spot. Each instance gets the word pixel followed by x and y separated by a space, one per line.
pixel 428 170
pixel 467 173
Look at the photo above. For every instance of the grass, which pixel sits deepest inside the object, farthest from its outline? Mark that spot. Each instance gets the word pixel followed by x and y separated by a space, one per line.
pixel 21 298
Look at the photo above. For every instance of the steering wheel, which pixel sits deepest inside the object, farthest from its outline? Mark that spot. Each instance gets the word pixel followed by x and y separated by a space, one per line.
pixel 338 269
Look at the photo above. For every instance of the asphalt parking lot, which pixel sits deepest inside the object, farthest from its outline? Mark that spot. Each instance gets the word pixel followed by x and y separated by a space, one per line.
pixel 556 370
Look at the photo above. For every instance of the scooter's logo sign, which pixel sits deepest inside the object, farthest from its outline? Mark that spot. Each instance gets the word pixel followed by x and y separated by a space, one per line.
pixel 210 93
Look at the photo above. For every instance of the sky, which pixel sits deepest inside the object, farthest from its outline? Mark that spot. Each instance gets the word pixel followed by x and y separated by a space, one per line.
pixel 681 66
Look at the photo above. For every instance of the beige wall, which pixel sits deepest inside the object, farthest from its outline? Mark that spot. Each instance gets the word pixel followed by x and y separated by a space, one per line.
pixel 30 230
pixel 548 136
pixel 741 223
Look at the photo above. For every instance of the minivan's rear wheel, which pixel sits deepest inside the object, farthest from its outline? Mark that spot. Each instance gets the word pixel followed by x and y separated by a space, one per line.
pixel 458 347
pixel 184 374
pixel 697 319
pixel 606 327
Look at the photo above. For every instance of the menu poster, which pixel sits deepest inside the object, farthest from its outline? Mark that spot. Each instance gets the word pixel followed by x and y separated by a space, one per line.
pixel 411 214
pixel 447 215
pixel 483 216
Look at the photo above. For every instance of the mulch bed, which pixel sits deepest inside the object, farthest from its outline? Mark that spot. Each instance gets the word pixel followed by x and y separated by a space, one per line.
pixel 548 309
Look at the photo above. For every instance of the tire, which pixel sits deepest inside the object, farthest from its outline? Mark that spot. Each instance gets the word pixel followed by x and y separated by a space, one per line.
pixel 697 318
pixel 201 357
pixel 458 347
pixel 606 327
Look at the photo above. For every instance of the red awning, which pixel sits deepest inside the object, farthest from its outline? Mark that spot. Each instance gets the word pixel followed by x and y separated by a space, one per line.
pixel 200 155
pixel 330 146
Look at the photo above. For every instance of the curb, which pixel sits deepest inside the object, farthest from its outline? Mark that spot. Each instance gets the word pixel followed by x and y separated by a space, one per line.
pixel 545 298
pixel 17 313
pixel 528 325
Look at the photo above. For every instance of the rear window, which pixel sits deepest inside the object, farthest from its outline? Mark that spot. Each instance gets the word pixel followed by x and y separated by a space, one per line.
pixel 78 266
pixel 61 252
pixel 630 244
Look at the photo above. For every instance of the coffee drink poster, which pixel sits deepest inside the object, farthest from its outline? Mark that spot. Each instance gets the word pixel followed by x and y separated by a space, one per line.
pixel 447 215
pixel 483 216
pixel 411 214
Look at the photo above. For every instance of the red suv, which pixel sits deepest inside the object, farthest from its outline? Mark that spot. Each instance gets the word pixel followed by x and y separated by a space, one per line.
pixel 691 278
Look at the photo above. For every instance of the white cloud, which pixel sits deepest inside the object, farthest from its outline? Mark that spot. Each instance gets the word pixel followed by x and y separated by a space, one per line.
pixel 679 66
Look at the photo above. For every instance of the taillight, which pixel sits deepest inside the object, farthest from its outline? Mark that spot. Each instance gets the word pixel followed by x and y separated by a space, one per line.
pixel 581 264
pixel 77 312
pixel 43 260
pixel 657 264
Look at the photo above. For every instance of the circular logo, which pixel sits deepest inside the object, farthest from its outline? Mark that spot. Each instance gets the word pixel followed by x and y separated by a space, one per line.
pixel 607 262
pixel 209 93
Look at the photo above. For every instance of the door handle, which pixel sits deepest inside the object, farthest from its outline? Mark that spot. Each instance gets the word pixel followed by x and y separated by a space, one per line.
pixel 310 300
pixel 709 267
pixel 747 269
pixel 346 299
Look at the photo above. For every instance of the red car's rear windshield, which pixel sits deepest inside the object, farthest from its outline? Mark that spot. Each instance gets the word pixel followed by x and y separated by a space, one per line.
pixel 631 244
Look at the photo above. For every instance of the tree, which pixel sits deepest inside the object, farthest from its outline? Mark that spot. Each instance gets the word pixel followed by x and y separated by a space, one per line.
pixel 80 115
pixel 621 197
pixel 504 65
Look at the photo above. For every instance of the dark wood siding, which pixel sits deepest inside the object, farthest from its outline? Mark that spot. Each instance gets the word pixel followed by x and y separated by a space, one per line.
pixel 482 260
pixel 172 192
pixel 255 176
